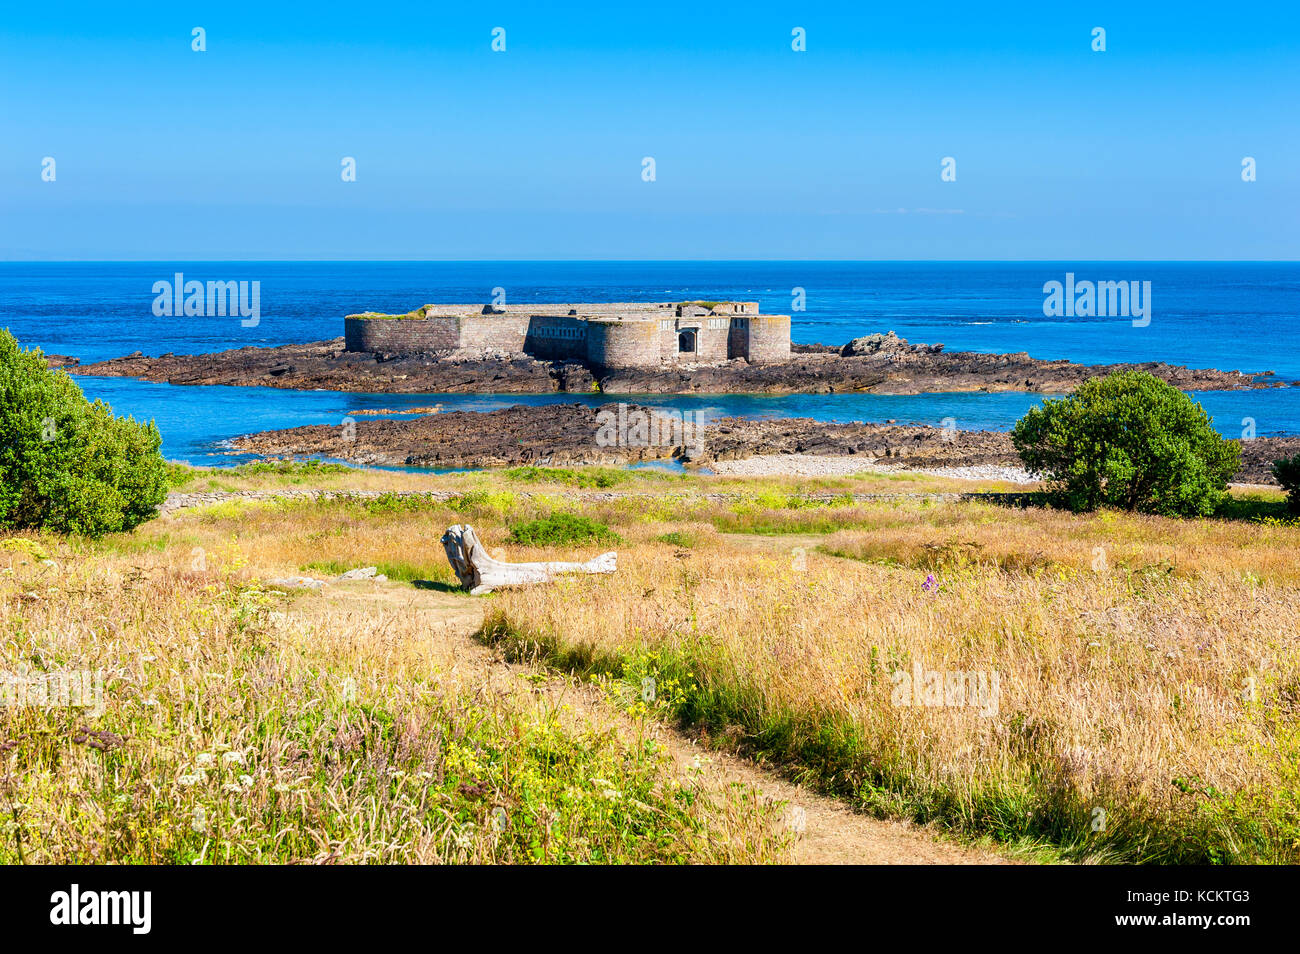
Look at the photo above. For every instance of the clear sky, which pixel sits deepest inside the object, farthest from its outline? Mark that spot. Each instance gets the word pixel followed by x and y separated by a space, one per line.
pixel 760 151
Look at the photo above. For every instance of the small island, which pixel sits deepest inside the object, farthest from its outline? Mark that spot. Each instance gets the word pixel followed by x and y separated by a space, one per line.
pixel 626 348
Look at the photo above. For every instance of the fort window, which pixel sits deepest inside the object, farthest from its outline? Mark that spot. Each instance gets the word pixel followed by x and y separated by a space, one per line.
pixel 686 341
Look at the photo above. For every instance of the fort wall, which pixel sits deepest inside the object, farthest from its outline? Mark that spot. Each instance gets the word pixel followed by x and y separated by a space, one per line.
pixel 608 335
pixel 400 335
pixel 769 338
pixel 624 344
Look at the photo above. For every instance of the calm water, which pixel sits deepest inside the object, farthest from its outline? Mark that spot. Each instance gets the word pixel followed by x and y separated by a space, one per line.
pixel 1230 316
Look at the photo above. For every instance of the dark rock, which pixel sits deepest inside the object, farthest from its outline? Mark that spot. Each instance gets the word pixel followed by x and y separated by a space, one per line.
pixel 564 434
pixel 883 364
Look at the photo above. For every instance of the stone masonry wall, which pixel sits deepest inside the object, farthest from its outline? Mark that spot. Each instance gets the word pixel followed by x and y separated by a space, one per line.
pixel 401 335
pixel 556 338
pixel 769 338
pixel 624 344
pixel 494 332
pixel 643 338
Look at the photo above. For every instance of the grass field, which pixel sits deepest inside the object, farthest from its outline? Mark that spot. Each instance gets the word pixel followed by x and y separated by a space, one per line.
pixel 1103 688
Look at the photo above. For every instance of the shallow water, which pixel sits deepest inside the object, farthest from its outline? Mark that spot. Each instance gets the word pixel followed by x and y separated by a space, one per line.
pixel 1232 316
pixel 196 421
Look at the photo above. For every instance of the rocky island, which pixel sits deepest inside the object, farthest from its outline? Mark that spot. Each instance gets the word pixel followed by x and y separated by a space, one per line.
pixel 881 364
pixel 712 347
pixel 570 434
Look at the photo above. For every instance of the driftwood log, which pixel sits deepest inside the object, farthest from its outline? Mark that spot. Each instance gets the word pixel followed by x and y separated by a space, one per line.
pixel 479 573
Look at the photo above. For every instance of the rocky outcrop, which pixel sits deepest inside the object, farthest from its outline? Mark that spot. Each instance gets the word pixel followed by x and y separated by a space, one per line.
pixel 553 434
pixel 921 446
pixel 887 344
pixel 882 364
pixel 326 365
pixel 566 434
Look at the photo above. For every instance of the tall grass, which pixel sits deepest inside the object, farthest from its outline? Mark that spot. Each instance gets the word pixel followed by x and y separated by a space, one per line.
pixel 240 725
pixel 1147 711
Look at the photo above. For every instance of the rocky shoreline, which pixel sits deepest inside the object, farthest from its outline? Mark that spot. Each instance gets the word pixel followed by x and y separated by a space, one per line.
pixel 569 434
pixel 881 364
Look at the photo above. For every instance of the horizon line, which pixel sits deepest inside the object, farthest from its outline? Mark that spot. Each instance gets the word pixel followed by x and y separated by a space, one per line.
pixel 643 261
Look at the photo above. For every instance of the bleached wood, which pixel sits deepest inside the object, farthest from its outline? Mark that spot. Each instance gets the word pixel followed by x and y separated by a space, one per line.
pixel 480 573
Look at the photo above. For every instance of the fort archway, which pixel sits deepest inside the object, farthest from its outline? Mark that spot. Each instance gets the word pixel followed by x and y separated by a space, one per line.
pixel 686 341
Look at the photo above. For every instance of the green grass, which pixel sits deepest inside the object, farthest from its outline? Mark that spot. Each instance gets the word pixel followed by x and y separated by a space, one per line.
pixel 398 571
pixel 403 503
pixel 560 529
pixel 599 477
pixel 289 468
pixel 416 315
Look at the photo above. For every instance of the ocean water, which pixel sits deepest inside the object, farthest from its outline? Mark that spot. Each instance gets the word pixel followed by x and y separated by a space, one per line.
pixel 1233 316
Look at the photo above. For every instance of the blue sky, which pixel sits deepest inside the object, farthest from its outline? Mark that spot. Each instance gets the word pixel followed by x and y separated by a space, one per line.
pixel 1061 152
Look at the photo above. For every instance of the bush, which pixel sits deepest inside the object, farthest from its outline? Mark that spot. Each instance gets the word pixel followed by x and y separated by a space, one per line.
pixel 599 477
pixel 1130 441
pixel 66 464
pixel 561 528
pixel 1287 472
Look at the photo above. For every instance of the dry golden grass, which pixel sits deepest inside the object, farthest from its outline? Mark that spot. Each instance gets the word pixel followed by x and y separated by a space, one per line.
pixel 1147 710
pixel 241 725
pixel 944 536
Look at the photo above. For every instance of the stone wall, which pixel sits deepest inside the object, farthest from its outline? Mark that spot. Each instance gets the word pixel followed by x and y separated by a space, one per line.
pixel 625 344
pixel 401 335
pixel 769 338
pixel 644 337
pixel 711 334
pixel 556 338
pixel 493 332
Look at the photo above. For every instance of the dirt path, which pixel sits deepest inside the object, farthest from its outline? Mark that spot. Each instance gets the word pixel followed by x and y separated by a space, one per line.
pixel 830 832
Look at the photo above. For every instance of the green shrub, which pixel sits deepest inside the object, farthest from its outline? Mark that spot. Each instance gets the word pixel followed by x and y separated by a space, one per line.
pixel 561 528
pixel 178 475
pixel 600 477
pixel 1287 472
pixel 290 468
pixel 66 464
pixel 1130 441
pixel 403 503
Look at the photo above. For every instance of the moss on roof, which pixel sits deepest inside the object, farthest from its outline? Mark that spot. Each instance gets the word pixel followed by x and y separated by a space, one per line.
pixel 416 315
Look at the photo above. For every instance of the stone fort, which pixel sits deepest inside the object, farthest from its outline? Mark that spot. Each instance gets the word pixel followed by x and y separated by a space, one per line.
pixel 614 335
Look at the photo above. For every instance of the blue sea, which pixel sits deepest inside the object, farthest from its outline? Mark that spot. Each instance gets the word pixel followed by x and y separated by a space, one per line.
pixel 1232 316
